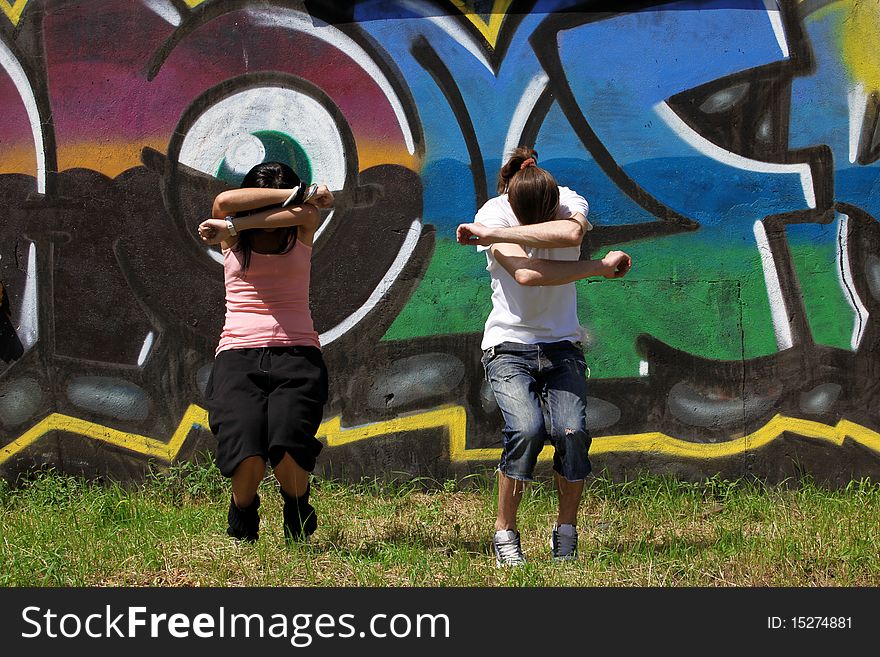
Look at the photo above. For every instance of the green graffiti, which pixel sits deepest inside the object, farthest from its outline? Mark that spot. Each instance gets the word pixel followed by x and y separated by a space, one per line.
pixel 668 295
pixel 831 318
pixel 278 147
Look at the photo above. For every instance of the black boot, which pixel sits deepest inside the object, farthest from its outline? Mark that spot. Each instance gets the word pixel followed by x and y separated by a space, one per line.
pixel 244 524
pixel 300 518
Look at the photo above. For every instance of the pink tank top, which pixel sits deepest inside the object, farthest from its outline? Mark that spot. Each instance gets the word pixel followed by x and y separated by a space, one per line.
pixel 268 306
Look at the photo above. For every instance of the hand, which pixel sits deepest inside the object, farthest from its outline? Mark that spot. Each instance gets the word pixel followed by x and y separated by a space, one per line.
pixel 213 231
pixel 473 235
pixel 617 263
pixel 322 198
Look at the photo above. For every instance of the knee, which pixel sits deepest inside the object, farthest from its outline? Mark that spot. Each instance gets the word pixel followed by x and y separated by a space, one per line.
pixel 567 433
pixel 528 430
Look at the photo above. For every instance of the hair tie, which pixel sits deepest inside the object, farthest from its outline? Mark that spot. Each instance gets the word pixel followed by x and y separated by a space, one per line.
pixel 528 162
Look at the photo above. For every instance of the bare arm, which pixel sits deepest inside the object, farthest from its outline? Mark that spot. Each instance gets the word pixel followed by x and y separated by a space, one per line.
pixel 216 231
pixel 553 234
pixel 233 201
pixel 538 271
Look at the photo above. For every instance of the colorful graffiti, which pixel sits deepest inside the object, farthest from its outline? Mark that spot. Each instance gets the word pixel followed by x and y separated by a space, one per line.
pixel 730 146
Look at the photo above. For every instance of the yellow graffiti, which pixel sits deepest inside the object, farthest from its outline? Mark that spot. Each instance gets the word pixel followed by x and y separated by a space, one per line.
pixel 662 444
pixel 194 416
pixel 454 420
pixel 13 10
pixel 489 30
pixel 108 157
pixel 497 15
pixel 858 29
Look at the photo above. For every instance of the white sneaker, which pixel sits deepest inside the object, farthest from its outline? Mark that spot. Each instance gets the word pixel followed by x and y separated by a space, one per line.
pixel 564 542
pixel 508 551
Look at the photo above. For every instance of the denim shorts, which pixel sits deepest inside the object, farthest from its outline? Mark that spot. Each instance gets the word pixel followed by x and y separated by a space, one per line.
pixel 541 390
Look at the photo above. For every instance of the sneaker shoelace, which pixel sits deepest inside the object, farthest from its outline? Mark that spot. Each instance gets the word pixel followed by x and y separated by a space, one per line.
pixel 510 552
pixel 564 545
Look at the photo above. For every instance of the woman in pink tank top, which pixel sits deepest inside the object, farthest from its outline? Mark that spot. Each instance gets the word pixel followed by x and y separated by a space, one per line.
pixel 268 386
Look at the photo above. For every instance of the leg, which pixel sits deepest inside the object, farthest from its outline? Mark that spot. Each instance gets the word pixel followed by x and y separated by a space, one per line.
pixel 300 519
pixel 294 480
pixel 237 416
pixel 510 493
pixel 565 394
pixel 524 433
pixel 570 493
pixel 511 376
pixel 295 409
pixel 243 517
pixel 246 480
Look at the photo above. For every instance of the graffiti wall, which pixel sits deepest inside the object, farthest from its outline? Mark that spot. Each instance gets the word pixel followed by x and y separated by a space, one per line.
pixel 730 146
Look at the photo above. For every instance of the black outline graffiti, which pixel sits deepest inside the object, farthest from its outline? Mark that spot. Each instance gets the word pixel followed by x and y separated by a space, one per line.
pixel 788 382
pixel 429 60
pixel 328 12
pixel 543 41
pixel 25 41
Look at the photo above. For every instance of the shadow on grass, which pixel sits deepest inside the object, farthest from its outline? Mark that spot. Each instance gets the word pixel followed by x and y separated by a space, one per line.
pixel 674 547
pixel 399 536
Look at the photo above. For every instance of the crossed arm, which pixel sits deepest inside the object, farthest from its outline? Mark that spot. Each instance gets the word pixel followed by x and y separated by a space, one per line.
pixel 508 245
pixel 539 271
pixel 554 234
pixel 269 213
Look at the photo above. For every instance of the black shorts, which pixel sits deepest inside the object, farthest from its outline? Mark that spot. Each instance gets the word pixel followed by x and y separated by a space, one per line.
pixel 267 401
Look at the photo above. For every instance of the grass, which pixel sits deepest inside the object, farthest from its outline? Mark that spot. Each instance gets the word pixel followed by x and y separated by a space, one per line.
pixel 60 530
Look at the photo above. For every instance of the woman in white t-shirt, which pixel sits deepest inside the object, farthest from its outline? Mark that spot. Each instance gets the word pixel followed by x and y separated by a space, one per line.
pixel 531 234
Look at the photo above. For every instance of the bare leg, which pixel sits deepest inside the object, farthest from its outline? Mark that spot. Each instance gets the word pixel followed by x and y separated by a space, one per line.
pixel 293 479
pixel 246 480
pixel 510 493
pixel 570 493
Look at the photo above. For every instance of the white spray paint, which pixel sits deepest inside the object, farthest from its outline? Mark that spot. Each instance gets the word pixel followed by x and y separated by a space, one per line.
pixel 403 256
pixel 778 29
pixel 28 319
pixel 164 9
pixel 452 27
pixel 778 309
pixel 523 111
pixel 858 104
pixel 146 348
pixel 844 271
pixel 707 148
pixel 16 73
pixel 300 21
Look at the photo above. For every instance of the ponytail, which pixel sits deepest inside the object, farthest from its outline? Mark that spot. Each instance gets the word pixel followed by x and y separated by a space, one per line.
pixel 532 192
pixel 515 165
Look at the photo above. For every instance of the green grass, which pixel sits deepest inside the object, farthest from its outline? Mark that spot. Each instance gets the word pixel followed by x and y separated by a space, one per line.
pixel 652 531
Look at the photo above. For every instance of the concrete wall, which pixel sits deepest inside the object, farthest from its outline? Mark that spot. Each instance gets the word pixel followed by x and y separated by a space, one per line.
pixel 730 146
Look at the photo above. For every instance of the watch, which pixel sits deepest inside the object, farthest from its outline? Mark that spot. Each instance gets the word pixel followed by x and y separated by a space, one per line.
pixel 230 226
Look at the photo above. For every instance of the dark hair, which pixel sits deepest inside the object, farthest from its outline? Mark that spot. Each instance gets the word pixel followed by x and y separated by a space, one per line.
pixel 532 191
pixel 268 175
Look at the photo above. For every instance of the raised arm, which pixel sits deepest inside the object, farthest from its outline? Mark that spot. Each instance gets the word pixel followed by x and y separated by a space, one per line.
pixel 538 271
pixel 233 201
pixel 217 229
pixel 553 234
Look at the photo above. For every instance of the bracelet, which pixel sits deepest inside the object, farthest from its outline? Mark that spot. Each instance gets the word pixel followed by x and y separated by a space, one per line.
pixel 230 225
pixel 290 198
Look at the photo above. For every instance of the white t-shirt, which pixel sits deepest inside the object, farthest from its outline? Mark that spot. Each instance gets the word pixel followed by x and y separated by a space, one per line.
pixel 530 314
